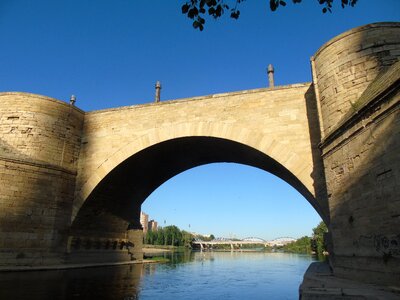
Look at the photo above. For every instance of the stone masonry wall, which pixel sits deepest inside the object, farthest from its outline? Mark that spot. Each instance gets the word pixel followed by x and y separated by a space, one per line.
pixel 40 129
pixel 89 249
pixel 273 121
pixel 363 169
pixel 360 150
pixel 346 65
pixel 39 148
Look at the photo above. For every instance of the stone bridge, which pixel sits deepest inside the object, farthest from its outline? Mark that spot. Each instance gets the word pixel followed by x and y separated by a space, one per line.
pixel 72 182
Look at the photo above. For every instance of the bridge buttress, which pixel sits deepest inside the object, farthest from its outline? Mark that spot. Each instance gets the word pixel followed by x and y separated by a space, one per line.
pixel 359 105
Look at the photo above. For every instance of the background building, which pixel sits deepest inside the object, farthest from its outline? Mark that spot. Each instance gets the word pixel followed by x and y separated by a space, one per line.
pixel 144 221
pixel 152 225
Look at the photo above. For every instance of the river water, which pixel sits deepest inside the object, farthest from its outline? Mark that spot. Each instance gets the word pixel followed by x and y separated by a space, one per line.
pixel 188 275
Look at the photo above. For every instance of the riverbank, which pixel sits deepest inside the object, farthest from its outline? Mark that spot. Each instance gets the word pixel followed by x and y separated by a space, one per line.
pixel 154 249
pixel 320 283
pixel 77 266
pixel 150 250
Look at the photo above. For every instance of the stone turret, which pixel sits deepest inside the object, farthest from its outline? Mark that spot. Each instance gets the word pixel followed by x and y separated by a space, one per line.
pixel 347 64
pixel 40 139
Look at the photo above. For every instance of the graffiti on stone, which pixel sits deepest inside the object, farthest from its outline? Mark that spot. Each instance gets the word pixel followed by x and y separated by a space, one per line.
pixel 382 244
pixel 387 244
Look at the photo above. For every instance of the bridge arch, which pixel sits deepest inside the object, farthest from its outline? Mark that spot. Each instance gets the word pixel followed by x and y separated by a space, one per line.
pixel 113 194
pixel 283 153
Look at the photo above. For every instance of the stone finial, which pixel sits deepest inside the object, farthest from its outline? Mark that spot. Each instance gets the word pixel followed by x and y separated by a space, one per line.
pixel 158 91
pixel 72 100
pixel 270 71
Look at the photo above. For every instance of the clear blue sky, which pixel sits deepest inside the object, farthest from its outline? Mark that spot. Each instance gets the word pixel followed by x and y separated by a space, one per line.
pixel 109 53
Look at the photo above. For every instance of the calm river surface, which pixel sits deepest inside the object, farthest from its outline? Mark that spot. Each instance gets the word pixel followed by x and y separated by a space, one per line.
pixel 189 275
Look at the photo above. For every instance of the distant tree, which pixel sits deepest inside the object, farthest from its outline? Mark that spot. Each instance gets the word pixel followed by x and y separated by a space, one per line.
pixel 205 238
pixel 198 9
pixel 302 245
pixel 187 238
pixel 150 237
pixel 318 243
pixel 160 237
pixel 172 236
pixel 168 236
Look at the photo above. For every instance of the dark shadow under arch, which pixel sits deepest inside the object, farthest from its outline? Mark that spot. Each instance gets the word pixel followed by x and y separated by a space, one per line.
pixel 117 199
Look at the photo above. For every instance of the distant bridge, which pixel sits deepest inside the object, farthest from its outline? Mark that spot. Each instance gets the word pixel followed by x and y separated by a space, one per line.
pixel 239 243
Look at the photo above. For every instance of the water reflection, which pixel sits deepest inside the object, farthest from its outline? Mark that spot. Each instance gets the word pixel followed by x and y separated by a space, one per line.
pixel 122 282
pixel 188 275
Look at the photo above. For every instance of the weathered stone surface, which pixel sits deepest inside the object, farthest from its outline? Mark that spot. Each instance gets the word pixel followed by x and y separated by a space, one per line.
pixel 39 149
pixel 361 152
pixel 320 284
pixel 347 64
pixel 271 121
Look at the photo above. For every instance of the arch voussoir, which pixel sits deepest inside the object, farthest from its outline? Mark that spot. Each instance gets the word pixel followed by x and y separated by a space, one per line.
pixel 282 153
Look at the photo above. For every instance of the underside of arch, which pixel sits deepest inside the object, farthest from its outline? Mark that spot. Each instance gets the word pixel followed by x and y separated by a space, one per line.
pixel 116 200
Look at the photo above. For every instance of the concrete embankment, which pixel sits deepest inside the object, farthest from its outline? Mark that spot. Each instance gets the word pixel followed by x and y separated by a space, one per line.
pixel 319 283
pixel 147 250
pixel 75 266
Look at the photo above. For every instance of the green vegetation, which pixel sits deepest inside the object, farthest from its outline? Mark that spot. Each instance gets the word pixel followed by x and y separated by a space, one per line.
pixel 318 243
pixel 172 236
pixel 302 245
pixel 314 244
pixel 198 10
